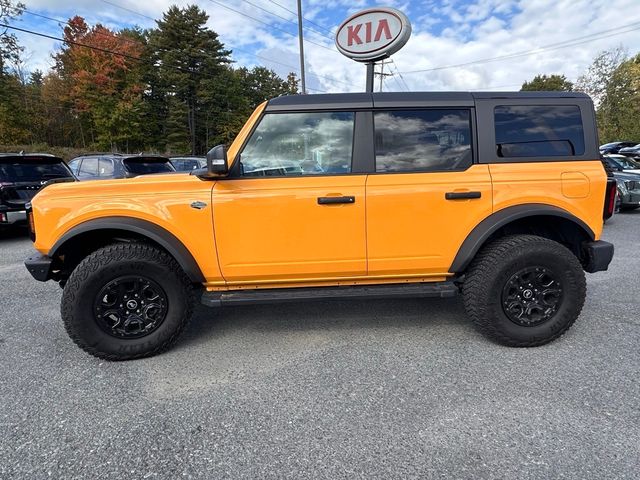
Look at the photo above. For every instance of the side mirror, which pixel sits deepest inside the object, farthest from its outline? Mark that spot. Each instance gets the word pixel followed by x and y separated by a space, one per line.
pixel 217 161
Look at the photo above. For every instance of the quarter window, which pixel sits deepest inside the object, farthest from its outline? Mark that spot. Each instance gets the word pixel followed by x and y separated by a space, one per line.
pixel 287 144
pixel 538 131
pixel 425 140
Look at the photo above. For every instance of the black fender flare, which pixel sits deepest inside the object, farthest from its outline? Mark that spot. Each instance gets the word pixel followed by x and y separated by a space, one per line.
pixel 159 235
pixel 481 233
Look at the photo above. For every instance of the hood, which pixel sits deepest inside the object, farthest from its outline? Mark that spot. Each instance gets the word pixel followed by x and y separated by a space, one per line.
pixel 142 185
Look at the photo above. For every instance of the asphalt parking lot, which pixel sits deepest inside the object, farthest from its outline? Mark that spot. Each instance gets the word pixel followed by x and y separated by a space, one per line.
pixel 342 389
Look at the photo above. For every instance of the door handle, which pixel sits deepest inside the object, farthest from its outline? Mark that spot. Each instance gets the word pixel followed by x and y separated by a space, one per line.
pixel 336 200
pixel 462 195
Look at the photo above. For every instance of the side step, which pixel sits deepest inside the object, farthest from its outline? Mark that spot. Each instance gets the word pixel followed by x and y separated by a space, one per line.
pixel 280 295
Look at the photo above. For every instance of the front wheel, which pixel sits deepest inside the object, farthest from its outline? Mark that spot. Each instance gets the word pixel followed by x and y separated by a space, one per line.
pixel 126 301
pixel 524 290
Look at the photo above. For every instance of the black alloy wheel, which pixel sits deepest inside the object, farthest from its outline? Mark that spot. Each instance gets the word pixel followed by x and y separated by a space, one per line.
pixel 130 307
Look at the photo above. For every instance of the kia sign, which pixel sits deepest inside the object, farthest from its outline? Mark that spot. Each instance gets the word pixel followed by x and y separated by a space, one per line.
pixel 373 34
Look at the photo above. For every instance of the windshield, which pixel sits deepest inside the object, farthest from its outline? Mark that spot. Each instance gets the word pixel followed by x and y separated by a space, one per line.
pixel 142 166
pixel 15 170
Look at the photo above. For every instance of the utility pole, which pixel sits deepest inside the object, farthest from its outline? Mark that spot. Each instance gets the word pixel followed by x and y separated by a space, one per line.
pixel 301 40
pixel 381 72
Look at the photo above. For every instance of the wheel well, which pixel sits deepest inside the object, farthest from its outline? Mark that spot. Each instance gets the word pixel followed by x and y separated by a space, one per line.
pixel 69 255
pixel 559 229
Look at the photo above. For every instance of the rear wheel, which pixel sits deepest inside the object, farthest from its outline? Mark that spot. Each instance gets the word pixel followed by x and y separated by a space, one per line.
pixel 524 290
pixel 126 301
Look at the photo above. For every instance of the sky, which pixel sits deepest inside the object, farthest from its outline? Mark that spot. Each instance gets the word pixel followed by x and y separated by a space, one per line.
pixel 453 46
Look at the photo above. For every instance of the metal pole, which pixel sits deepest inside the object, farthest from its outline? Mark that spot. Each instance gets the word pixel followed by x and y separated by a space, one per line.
pixel 301 40
pixel 369 88
pixel 381 73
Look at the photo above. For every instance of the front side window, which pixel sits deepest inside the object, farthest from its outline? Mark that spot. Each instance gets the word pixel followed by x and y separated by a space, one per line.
pixel 423 140
pixel 538 131
pixel 314 143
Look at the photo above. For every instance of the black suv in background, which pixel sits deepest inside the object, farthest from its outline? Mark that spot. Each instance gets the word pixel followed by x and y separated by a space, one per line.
pixel 187 164
pixel 104 166
pixel 22 175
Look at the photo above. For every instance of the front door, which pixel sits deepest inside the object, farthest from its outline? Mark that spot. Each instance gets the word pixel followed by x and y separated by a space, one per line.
pixel 294 212
pixel 426 195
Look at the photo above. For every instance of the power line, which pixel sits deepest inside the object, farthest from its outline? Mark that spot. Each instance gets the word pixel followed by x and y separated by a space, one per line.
pixel 142 60
pixel 216 2
pixel 554 46
pixel 305 18
pixel 286 19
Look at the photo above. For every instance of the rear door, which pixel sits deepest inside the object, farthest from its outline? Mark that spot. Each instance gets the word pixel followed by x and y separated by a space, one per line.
pixel 295 210
pixel 426 194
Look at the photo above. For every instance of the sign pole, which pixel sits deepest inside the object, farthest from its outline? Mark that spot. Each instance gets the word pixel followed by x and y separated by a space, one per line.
pixel 301 40
pixel 370 70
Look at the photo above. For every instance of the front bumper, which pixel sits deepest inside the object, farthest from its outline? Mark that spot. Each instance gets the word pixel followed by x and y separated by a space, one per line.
pixel 39 267
pixel 631 199
pixel 598 256
pixel 11 218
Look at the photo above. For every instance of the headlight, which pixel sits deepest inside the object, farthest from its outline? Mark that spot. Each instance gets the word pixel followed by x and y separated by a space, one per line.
pixel 622 187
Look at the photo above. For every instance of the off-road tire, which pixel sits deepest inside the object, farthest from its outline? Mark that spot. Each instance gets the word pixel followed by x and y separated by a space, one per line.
pixel 497 263
pixel 112 262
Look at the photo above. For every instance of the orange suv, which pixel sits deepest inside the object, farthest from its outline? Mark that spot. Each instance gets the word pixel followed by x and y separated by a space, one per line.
pixel 499 196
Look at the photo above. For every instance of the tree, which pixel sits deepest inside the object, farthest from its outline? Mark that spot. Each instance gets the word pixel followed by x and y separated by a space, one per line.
pixel 186 56
pixel 619 109
pixel 542 83
pixel 595 80
pixel 104 86
pixel 9 49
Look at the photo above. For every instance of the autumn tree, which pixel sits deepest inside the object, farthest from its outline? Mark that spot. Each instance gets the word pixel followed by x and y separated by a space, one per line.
pixel 101 69
pixel 542 83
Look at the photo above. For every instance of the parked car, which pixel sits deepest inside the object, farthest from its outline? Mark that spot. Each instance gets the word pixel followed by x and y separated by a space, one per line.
pixel 633 152
pixel 392 194
pixel 628 190
pixel 619 163
pixel 104 166
pixel 614 147
pixel 22 175
pixel 188 164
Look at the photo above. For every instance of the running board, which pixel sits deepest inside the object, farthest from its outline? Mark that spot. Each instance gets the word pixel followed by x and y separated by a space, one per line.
pixel 280 295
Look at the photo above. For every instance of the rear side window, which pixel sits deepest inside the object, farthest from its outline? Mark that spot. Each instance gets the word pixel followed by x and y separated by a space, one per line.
pixel 538 131
pixel 423 140
pixel 142 166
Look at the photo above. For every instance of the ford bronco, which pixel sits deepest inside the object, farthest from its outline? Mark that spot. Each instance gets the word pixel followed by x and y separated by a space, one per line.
pixel 499 196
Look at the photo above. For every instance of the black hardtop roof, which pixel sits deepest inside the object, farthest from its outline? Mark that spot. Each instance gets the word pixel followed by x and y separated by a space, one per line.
pixel 330 101
pixel 30 156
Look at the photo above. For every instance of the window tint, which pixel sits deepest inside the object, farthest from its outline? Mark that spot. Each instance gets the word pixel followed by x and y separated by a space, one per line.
pixel 538 131
pixel 88 168
pixel 300 144
pixel 425 140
